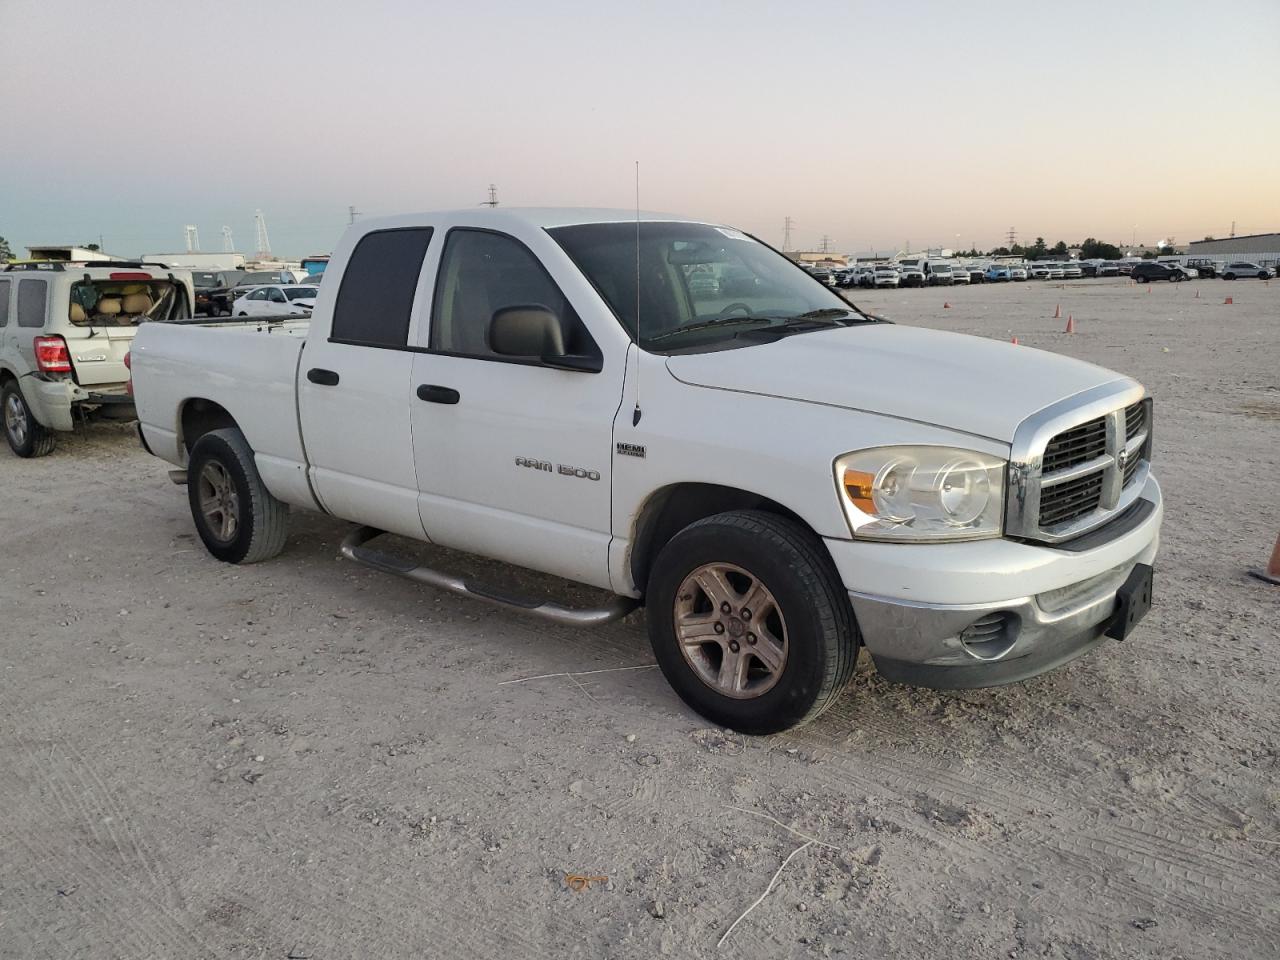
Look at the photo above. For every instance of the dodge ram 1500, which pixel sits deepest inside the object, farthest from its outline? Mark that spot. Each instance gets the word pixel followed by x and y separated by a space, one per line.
pixel 674 412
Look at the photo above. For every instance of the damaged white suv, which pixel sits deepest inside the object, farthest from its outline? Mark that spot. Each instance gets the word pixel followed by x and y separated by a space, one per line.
pixel 65 330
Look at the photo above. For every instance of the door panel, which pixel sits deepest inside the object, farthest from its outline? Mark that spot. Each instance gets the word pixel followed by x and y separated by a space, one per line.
pixel 355 389
pixel 517 465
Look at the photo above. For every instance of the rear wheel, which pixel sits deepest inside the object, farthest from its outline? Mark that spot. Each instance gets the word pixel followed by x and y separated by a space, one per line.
pixel 1229 276
pixel 750 623
pixel 235 514
pixel 27 437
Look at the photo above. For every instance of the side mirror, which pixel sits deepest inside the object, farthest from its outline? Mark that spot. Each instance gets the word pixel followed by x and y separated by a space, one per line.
pixel 526 331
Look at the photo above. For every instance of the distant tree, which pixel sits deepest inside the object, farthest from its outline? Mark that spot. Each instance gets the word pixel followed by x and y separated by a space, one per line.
pixel 1059 249
pixel 1210 237
pixel 6 253
pixel 1093 249
pixel 92 246
pixel 1036 250
pixel 1000 252
pixel 1148 254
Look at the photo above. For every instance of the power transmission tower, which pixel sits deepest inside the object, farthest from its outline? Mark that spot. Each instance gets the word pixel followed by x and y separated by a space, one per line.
pixel 787 224
pixel 264 242
pixel 493 197
pixel 193 238
pixel 825 243
pixel 1013 238
pixel 352 213
pixel 228 244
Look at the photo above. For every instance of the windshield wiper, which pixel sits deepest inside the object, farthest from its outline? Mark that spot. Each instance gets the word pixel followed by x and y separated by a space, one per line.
pixel 707 325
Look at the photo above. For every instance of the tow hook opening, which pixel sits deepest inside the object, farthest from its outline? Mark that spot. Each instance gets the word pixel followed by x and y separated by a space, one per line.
pixel 991 637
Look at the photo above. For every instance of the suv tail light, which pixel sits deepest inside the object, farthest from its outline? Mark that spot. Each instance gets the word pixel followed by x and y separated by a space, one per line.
pixel 128 365
pixel 52 355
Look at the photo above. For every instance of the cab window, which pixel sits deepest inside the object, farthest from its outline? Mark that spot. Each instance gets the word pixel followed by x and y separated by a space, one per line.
pixel 482 272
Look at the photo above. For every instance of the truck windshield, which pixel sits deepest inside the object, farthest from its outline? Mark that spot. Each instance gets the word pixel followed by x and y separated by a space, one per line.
pixel 698 284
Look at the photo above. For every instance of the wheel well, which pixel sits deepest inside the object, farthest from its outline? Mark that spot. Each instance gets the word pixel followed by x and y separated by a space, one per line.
pixel 6 376
pixel 673 508
pixel 200 417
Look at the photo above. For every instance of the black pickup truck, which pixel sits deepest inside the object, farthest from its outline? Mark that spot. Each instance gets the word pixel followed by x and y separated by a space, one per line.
pixel 213 291
pixel 1207 269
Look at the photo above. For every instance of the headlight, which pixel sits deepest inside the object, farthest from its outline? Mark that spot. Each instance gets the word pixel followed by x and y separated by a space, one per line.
pixel 919 494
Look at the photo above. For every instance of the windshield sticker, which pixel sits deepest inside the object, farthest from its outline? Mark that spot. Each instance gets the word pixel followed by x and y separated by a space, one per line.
pixel 733 234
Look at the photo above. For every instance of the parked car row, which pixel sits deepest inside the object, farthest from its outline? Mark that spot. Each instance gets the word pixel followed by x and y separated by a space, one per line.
pixel 919 272
pixel 218 293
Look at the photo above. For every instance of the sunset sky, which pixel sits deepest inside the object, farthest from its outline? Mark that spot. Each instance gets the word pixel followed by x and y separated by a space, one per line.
pixel 873 124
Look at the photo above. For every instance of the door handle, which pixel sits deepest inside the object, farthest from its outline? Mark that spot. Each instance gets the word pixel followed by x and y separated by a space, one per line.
pixel 434 394
pixel 325 378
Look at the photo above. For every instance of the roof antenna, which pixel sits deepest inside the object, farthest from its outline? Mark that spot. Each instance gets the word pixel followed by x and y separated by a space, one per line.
pixel 636 414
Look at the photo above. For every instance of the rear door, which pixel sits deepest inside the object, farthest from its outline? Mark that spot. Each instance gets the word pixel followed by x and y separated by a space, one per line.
pixel 513 457
pixel 354 383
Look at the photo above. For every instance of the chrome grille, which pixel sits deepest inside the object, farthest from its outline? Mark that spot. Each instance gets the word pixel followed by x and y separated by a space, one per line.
pixel 1077 445
pixel 1071 500
pixel 1081 475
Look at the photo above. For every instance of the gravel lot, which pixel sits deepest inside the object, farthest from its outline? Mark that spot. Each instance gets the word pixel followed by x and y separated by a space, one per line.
pixel 307 759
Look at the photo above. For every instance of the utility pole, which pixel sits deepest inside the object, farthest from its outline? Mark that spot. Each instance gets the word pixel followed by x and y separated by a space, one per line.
pixel 787 224
pixel 493 197
pixel 1233 228
pixel 193 238
pixel 352 213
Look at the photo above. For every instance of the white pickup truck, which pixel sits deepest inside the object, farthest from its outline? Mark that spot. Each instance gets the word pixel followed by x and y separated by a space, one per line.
pixel 779 477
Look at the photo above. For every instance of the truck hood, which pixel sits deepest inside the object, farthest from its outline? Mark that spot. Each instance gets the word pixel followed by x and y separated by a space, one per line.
pixel 971 384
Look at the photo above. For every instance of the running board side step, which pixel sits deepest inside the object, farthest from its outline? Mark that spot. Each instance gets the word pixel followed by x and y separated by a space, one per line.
pixel 353 548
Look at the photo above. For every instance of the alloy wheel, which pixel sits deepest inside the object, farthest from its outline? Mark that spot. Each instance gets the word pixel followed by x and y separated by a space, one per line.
pixel 219 501
pixel 730 630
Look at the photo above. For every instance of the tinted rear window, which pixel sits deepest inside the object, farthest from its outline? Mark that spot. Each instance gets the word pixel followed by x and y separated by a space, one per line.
pixel 31 298
pixel 378 287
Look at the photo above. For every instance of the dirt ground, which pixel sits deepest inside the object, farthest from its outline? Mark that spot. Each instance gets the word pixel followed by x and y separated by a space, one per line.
pixel 307 759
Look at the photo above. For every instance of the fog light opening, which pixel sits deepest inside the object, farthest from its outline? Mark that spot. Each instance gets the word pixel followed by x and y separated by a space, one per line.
pixel 991 637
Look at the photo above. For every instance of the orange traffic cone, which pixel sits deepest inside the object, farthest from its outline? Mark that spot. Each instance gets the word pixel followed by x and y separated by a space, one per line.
pixel 1071 324
pixel 1272 572
pixel 945 305
pixel 1057 312
pixel 1014 341
pixel 1227 301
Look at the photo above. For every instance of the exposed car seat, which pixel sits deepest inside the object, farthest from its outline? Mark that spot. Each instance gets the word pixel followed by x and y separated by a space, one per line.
pixel 77 313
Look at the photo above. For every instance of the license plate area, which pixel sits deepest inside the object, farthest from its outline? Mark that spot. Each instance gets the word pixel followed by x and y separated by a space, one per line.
pixel 1133 600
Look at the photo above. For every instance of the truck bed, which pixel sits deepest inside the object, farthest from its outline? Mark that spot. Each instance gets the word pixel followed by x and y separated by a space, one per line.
pixel 248 368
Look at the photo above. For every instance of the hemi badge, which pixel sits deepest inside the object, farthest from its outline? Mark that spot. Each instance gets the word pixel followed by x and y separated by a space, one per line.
pixel 631 450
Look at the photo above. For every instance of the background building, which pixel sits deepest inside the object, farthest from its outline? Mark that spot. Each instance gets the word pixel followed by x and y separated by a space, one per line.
pixel 1261 248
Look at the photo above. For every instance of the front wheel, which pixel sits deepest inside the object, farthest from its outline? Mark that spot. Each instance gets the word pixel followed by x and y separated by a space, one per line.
pixel 750 622
pixel 235 514
pixel 27 437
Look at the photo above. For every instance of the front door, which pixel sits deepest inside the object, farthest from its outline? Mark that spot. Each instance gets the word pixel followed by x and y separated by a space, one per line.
pixel 513 457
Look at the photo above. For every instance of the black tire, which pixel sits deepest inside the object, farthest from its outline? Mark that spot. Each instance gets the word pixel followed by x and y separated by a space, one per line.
pixel 27 437
pixel 243 314
pixel 1229 276
pixel 821 633
pixel 1263 276
pixel 260 520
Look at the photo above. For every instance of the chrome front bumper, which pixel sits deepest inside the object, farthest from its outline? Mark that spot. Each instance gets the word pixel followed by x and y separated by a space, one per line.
pixel 997 641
